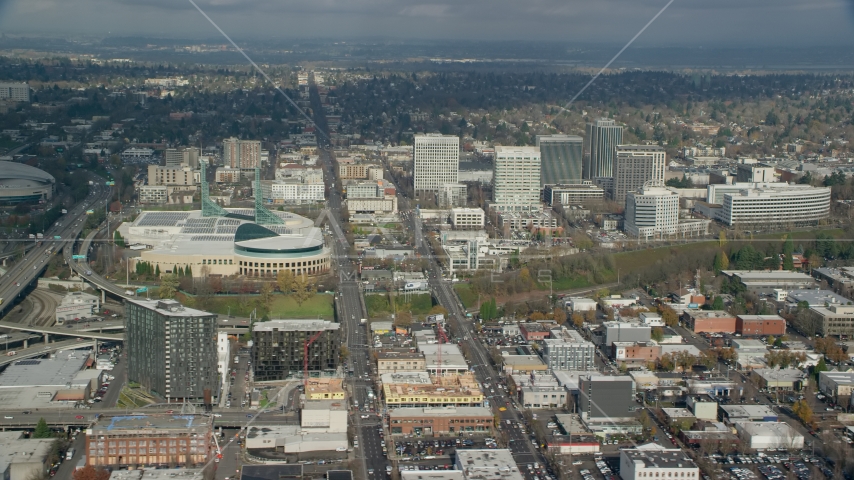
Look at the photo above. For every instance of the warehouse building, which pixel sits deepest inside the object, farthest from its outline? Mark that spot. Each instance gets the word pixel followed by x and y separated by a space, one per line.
pixel 23 458
pixel 438 421
pixel 709 321
pixel 760 325
pixel 769 435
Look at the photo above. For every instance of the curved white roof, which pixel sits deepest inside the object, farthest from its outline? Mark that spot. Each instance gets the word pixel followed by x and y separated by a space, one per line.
pixel 19 171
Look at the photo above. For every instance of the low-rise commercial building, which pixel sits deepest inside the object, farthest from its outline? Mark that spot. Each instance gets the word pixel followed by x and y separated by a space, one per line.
pixel 525 364
pixel 709 321
pixel 653 461
pixel 534 332
pixel 163 439
pixel 836 384
pixel 635 352
pixel 77 305
pixel 324 389
pixel 626 332
pixel 324 416
pixel 769 435
pixel 830 320
pixel 294 439
pixel 703 407
pixel 438 421
pixel 23 458
pixel 772 379
pixel 487 464
pixel 764 281
pixel 393 362
pixel 760 325
pixel 747 413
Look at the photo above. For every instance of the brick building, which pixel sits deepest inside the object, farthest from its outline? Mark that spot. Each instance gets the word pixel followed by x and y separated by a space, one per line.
pixel 533 332
pixel 710 321
pixel 440 420
pixel 760 325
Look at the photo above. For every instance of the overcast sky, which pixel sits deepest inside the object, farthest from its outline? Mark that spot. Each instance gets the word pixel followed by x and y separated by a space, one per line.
pixel 687 22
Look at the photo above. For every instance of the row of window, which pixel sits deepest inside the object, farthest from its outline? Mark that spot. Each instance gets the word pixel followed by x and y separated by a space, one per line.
pixel 643 474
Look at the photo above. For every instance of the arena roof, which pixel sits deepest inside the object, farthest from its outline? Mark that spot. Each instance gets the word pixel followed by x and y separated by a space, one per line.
pixel 20 171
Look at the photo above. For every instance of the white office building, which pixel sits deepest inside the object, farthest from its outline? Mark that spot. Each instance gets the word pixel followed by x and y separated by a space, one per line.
pixel 779 205
pixel 516 179
pixel 467 218
pixel 436 161
pixel 572 194
pixel 153 194
pixel 653 211
pixel 296 192
pixel 568 350
pixel 635 165
pixel 603 136
pixel 18 92
pixel 652 461
pixel 487 464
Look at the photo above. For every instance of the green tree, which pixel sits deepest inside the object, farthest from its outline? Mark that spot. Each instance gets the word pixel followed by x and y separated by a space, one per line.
pixel 168 286
pixel 42 430
pixel 157 271
pixel 267 296
pixel 721 261
pixel 718 303
pixel 117 237
pixel 821 366
pixel 489 310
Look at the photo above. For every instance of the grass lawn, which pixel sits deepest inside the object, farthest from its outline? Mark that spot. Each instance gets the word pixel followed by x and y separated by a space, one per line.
pixel 284 306
pixel 378 305
pixel 468 297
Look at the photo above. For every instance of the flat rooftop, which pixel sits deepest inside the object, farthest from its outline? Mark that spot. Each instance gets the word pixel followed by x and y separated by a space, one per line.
pixel 432 475
pixel 439 412
pixel 295 326
pixel 167 474
pixel 406 378
pixel 271 472
pixel 754 275
pixel 660 458
pixel 169 308
pixel 14 449
pixel 386 355
pixel 816 298
pixel 747 411
pixel 488 464
pixel 325 405
pixel 134 423
pixel 840 378
pixel 56 371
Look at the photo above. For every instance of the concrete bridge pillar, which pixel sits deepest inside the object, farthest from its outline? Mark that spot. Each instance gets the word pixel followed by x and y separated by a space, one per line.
pixel 46 338
pixel 103 297
pixel 26 342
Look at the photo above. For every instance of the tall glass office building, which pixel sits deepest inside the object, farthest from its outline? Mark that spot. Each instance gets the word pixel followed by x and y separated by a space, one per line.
pixel 560 159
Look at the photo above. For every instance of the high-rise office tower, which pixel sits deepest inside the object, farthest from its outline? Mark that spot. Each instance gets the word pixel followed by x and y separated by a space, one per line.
pixel 561 159
pixel 171 349
pixel 436 161
pixel 244 154
pixel 182 157
pixel 516 179
pixel 634 165
pixel 603 136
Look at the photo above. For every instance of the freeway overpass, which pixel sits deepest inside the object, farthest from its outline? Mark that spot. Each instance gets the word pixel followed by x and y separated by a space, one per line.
pixel 24 272
pixel 77 332
pixel 83 270
pixel 42 349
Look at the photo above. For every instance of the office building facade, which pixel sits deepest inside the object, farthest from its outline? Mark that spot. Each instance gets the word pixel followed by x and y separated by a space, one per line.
pixel 572 194
pixel 776 205
pixel 278 348
pixel 634 166
pixel 652 212
pixel 171 349
pixel 603 136
pixel 567 350
pixel 17 92
pixel 516 179
pixel 561 158
pixel 182 157
pixel 436 161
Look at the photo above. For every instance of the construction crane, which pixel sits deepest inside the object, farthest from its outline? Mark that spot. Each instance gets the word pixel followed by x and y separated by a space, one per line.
pixel 305 360
pixel 218 456
pixel 443 338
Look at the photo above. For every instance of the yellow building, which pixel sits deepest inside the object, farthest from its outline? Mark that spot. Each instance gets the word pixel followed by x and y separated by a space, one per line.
pixel 392 362
pixel 325 389
pixel 459 391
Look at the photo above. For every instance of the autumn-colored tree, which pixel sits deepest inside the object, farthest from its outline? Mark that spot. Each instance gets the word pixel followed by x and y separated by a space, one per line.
pixel 168 286
pixel 668 315
pixel 577 319
pixel 538 316
pixel 559 315
pixel 438 310
pixel 403 318
pixel 666 363
pixel 303 289
pixel 803 411
pixel 285 280
pixel 90 473
pixel 590 316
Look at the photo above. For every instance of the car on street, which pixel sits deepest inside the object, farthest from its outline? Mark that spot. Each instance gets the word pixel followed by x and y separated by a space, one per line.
pixel 79 417
pixel 8 417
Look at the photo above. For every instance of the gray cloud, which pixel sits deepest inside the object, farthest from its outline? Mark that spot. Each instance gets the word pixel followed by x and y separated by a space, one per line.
pixel 698 22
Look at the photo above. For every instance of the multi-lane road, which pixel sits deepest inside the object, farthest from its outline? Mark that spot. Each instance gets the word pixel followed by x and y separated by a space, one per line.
pixel 18 278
